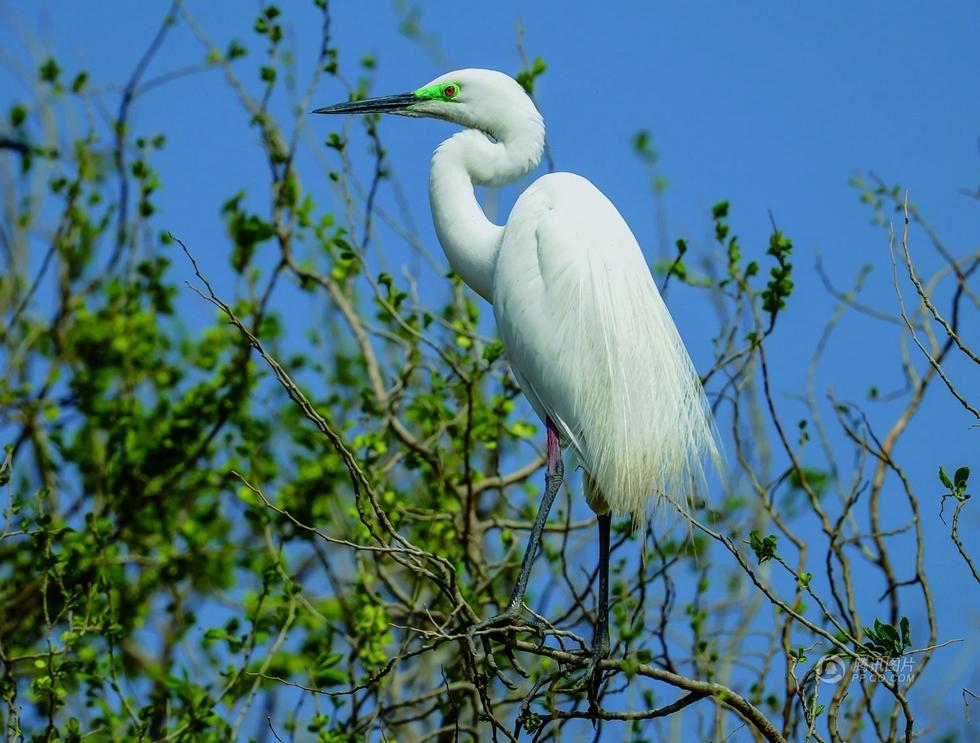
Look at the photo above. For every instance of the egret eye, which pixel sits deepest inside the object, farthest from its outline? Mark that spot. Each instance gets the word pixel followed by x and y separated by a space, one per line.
pixel 450 91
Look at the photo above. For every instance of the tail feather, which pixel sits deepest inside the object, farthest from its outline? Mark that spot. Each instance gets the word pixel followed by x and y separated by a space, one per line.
pixel 644 426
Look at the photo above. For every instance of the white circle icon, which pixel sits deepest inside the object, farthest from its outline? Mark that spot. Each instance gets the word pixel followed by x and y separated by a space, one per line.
pixel 830 670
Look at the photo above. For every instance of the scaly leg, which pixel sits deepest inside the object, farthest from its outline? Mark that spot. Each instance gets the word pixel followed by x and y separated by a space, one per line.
pixel 512 614
pixel 600 641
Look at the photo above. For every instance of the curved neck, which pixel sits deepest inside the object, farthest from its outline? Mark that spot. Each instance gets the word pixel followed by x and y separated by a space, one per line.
pixel 470 158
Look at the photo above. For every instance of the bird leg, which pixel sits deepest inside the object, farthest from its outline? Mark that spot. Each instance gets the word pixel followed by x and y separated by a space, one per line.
pixel 600 641
pixel 512 614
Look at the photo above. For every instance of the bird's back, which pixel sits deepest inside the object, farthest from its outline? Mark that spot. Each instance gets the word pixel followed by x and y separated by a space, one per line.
pixel 592 345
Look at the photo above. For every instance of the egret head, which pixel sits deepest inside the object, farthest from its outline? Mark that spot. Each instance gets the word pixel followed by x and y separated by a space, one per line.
pixel 477 99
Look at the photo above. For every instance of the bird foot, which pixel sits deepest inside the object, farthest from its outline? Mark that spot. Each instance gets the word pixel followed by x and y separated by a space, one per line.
pixel 592 680
pixel 508 621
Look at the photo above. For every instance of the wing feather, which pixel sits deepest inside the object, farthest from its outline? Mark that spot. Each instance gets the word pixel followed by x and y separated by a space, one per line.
pixel 593 346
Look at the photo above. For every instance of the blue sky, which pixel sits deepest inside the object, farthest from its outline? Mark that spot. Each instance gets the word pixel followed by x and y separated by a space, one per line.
pixel 773 106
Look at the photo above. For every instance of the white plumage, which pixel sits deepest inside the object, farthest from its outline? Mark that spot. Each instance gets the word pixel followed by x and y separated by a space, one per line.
pixel 593 346
pixel 586 332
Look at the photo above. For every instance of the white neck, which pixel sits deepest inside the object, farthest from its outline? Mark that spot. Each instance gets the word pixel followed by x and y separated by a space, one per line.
pixel 469 158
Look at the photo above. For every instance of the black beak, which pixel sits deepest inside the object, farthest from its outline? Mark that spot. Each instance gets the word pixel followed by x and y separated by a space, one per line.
pixel 388 104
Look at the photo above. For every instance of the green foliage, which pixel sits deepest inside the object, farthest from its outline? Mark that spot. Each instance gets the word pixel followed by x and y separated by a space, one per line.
pixel 739 280
pixel 956 485
pixel 677 268
pixel 49 71
pixel 885 639
pixel 780 286
pixel 764 547
pixel 246 230
pixel 885 200
pixel 643 147
pixel 526 78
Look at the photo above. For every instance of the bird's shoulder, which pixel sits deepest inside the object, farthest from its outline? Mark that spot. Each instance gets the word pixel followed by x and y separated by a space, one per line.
pixel 566 207
pixel 573 230
pixel 561 191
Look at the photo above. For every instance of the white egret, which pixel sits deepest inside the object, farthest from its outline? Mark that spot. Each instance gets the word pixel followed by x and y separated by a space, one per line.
pixel 585 330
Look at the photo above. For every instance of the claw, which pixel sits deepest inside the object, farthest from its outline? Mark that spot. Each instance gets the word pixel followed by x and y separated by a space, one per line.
pixel 592 679
pixel 495 672
pixel 508 617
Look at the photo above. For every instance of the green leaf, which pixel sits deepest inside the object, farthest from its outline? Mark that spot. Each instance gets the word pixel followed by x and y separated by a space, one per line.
pixel 78 84
pixel 944 478
pixel 493 351
pixel 961 476
pixel 764 547
pixel 329 677
pixel 49 71
pixel 526 78
pixel 889 633
pixel 17 115
pixel 235 50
